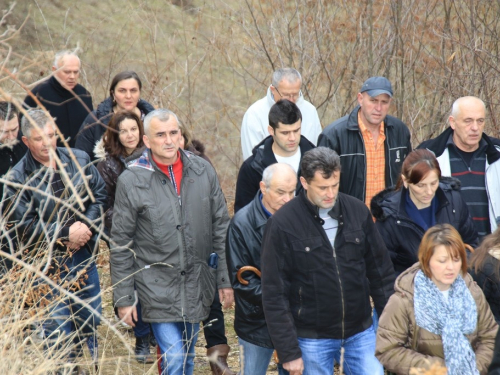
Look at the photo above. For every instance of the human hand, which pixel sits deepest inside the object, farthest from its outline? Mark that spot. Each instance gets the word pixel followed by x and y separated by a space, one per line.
pixel 128 314
pixel 295 367
pixel 226 296
pixel 79 235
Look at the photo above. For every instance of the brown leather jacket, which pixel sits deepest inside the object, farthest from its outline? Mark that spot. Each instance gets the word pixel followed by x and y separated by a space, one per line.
pixel 402 345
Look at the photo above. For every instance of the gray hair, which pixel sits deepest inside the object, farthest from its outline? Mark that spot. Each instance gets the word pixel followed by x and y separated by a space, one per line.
pixel 289 74
pixel 39 117
pixel 160 114
pixel 455 108
pixel 322 159
pixel 268 174
pixel 61 55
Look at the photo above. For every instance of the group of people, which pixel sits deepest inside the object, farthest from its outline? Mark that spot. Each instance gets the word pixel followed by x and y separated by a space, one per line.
pixel 333 229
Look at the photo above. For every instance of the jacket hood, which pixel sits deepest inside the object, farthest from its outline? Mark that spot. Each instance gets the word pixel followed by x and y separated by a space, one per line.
pixel 388 200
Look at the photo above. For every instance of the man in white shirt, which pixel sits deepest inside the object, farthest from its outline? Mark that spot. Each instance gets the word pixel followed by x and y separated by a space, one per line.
pixel 285 144
pixel 286 84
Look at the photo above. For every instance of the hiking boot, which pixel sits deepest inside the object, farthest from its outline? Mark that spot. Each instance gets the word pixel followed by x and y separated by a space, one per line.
pixel 142 353
pixel 217 356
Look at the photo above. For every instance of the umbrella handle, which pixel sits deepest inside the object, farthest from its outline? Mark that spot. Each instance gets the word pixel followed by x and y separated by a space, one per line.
pixel 245 269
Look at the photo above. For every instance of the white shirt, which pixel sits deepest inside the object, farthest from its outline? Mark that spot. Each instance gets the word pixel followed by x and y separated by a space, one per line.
pixel 293 161
pixel 254 127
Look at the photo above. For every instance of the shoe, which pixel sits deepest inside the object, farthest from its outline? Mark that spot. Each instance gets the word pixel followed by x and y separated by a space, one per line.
pixel 217 356
pixel 142 353
pixel 152 340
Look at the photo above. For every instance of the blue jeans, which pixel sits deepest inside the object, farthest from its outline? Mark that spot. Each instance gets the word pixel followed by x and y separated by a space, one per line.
pixel 359 355
pixel 176 342
pixel 72 319
pixel 255 359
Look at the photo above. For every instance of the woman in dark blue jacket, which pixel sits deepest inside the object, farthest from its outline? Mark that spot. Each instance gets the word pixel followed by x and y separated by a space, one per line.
pixel 420 200
pixel 484 267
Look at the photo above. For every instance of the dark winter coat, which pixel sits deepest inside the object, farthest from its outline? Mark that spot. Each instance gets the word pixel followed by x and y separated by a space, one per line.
pixel 402 235
pixel 488 281
pixel 94 126
pixel 68 109
pixel 250 174
pixel 312 290
pixel 243 244
pixel 36 216
pixel 9 157
pixel 344 137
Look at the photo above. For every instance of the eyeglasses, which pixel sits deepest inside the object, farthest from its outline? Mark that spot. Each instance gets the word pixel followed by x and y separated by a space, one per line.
pixel 288 96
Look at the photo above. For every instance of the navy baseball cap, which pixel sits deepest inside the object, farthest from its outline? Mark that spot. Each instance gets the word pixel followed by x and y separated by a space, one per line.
pixel 376 86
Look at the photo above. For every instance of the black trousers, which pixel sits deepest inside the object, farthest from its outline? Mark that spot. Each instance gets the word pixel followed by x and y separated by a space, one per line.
pixel 215 333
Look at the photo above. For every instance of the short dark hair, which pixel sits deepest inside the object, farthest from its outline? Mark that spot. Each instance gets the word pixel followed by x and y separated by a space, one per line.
pixel 7 111
pixel 284 111
pixel 322 159
pixel 127 74
pixel 111 139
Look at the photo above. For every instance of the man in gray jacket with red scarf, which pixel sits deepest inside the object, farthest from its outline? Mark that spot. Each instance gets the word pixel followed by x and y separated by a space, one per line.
pixel 168 240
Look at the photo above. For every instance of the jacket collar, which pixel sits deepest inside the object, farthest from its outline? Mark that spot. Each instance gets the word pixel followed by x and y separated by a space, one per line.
pixel 335 212
pixel 33 165
pixel 440 143
pixel 145 161
pixel 263 152
pixel 260 217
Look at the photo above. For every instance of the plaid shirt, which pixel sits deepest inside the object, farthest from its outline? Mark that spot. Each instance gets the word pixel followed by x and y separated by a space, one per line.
pixel 375 161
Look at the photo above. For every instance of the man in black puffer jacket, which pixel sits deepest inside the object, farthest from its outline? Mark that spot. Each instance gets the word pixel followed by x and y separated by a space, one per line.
pixel 322 259
pixel 243 243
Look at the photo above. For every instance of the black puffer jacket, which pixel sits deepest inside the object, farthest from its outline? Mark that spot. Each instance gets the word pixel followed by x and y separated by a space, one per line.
pixel 312 290
pixel 36 215
pixel 344 137
pixel 251 170
pixel 94 126
pixel 243 242
pixel 402 235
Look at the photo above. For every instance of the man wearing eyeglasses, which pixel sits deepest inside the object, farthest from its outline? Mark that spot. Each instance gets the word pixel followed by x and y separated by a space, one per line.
pixel 286 84
pixel 371 144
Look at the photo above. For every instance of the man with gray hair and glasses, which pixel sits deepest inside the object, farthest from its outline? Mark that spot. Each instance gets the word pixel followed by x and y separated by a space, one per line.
pixel 285 84
pixel 61 94
pixel 168 237
pixel 56 208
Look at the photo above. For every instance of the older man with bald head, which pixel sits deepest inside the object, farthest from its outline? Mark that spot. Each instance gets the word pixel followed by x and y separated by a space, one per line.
pixel 65 99
pixel 243 244
pixel 465 152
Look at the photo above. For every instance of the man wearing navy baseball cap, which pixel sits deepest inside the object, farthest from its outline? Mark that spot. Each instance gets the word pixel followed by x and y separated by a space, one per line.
pixel 372 145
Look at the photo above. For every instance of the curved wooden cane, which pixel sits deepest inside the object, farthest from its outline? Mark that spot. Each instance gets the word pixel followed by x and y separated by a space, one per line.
pixel 245 269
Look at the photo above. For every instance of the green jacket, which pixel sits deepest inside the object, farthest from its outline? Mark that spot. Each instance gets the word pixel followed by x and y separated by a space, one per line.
pixel 162 246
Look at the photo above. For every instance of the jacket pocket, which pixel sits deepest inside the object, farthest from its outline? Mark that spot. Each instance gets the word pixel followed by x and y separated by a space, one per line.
pixel 160 286
pixel 208 281
pixel 311 254
pixel 156 222
pixel 355 241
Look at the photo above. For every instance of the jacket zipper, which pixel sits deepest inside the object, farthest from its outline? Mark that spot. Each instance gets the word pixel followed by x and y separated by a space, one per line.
pixel 341 290
pixel 364 187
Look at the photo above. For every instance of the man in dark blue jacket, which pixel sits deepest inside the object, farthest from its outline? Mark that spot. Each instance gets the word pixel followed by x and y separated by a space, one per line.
pixel 243 243
pixel 322 259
